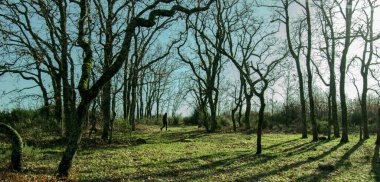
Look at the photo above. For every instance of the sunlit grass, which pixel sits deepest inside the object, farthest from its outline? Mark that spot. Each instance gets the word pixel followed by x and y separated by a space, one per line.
pixel 190 154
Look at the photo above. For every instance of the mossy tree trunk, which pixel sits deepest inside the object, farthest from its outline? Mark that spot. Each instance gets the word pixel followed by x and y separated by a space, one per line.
pixel 15 138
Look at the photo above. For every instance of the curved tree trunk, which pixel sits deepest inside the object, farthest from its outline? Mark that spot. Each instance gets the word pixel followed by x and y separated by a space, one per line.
pixel 73 139
pixel 16 141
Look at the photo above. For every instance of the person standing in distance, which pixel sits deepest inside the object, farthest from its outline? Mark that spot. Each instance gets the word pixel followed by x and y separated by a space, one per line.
pixel 165 121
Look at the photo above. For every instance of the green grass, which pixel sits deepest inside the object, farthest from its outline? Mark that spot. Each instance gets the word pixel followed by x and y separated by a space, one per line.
pixel 190 154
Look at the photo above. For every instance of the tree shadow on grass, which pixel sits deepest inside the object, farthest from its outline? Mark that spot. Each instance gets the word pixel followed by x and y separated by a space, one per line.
pixel 302 148
pixel 281 144
pixel 227 166
pixel 341 163
pixel 376 163
pixel 171 137
pixel 218 166
pixel 290 166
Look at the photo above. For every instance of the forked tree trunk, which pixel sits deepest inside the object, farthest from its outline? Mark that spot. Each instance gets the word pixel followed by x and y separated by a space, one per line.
pixel 15 138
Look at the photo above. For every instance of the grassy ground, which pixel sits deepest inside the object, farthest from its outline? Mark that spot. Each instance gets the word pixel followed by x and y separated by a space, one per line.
pixel 190 154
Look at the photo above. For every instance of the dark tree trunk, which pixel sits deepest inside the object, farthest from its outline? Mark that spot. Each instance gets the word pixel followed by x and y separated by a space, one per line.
pixel 364 113
pixel 45 109
pixel 310 75
pixel 233 112
pixel 58 102
pixel 73 139
pixel 299 71
pixel 342 89
pixel 93 118
pixel 240 115
pixel 329 118
pixel 106 110
pixel 334 105
pixel 247 114
pixel 126 93
pixel 212 104
pixel 14 137
pixel 302 100
pixel 260 123
pixel 113 116
pixel 378 127
pixel 132 109
pixel 108 56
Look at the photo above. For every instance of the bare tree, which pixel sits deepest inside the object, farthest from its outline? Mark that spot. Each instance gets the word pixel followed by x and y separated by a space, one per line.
pixel 347 14
pixel 366 60
pixel 328 48
pixel 51 51
pixel 207 65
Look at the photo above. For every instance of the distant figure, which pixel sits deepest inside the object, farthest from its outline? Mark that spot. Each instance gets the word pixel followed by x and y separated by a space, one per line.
pixel 165 121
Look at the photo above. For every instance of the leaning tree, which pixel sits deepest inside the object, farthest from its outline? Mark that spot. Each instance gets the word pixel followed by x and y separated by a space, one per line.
pixel 145 16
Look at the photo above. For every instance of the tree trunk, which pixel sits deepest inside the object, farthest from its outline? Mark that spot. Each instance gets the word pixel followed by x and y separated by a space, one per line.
pixel 58 102
pixel 45 109
pixel 343 68
pixel 233 118
pixel 378 127
pixel 364 112
pixel 260 123
pixel 108 56
pixel 240 115
pixel 329 118
pixel 14 137
pixel 113 115
pixel 132 109
pixel 299 72
pixel 247 112
pixel 310 75
pixel 73 139
pixel 334 105
pixel 302 100
pixel 125 93
pixel 106 110
pixel 213 111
